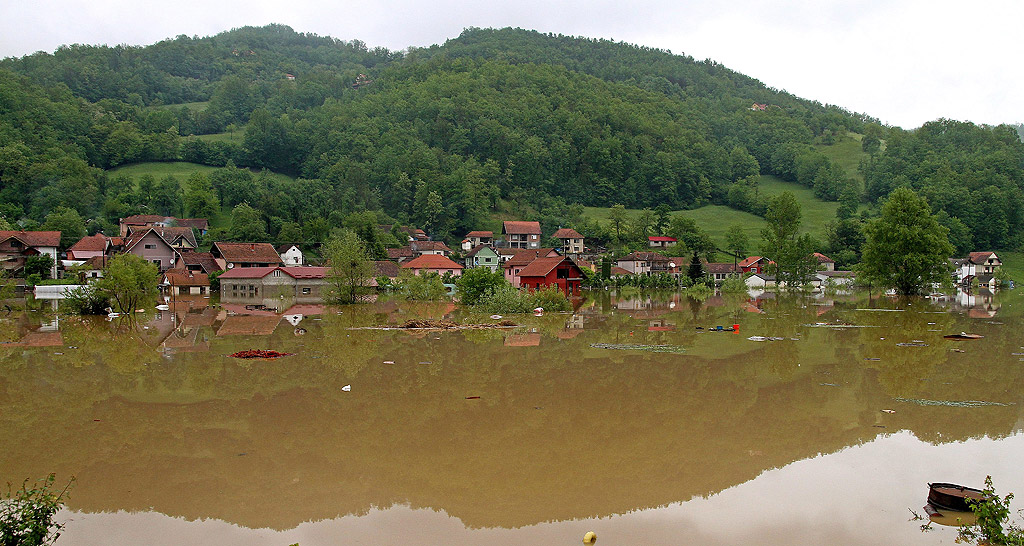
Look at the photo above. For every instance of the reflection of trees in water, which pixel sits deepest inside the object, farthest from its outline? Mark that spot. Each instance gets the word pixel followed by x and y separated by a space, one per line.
pixel 561 430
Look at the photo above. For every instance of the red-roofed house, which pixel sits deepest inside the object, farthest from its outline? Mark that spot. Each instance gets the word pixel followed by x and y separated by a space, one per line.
pixel 88 247
pixel 660 241
pixel 645 263
pixel 183 281
pixel 247 284
pixel 824 261
pixel 232 255
pixel 559 271
pixel 151 246
pixel 432 263
pixel 722 271
pixel 438 248
pixel 754 264
pixel 17 246
pixel 980 265
pixel 515 264
pixel 200 262
pixel 521 234
pixel 572 241
pixel 476 238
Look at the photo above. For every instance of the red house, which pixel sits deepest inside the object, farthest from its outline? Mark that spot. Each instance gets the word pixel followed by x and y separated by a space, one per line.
pixel 755 264
pixel 558 271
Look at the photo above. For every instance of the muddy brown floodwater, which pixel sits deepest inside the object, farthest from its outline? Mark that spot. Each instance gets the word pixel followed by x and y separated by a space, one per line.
pixel 629 417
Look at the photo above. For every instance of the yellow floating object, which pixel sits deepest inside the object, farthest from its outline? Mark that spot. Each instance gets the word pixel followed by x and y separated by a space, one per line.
pixel 590 537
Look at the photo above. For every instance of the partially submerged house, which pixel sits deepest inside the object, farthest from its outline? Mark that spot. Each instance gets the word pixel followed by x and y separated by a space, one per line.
pixel 558 271
pixel 232 255
pixel 433 263
pixel 482 256
pixel 182 281
pixel 16 247
pixel 645 263
pixel 254 283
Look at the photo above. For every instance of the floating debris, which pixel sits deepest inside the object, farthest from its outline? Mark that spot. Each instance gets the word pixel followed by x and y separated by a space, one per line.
pixel 828 384
pixel 882 310
pixel 888 411
pixel 873 359
pixel 764 338
pixel 635 347
pixel 347 388
pixel 914 343
pixel 962 336
pixel 472 398
pixel 258 353
pixel 952 403
pixel 430 324
pixel 838 326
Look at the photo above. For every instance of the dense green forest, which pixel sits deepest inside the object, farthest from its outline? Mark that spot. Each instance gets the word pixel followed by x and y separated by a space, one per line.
pixel 445 137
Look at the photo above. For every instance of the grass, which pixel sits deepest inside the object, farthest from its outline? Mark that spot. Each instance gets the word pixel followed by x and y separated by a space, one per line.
pixel 847 153
pixel 178 169
pixel 193 106
pixel 816 213
pixel 235 136
pixel 1013 265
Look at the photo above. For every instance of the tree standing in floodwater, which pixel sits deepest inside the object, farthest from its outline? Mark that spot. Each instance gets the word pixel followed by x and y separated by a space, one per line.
pixel 906 249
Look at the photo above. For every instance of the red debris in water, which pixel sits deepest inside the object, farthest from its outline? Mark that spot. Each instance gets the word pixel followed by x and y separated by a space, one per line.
pixel 258 353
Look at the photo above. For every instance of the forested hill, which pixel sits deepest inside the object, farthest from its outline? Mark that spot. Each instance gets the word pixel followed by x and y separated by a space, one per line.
pixel 442 137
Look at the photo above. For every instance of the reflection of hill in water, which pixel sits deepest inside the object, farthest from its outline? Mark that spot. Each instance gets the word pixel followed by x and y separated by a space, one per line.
pixel 561 430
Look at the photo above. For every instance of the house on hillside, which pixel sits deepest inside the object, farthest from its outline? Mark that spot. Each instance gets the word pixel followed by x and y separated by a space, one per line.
pixel 438 248
pixel 572 241
pixel 291 255
pixel 517 262
pixel 521 234
pixel 433 263
pixel 400 255
pixel 16 247
pixel 660 241
pixel 558 271
pixel 476 238
pixel 179 238
pixel 482 256
pixel 232 255
pixel 143 221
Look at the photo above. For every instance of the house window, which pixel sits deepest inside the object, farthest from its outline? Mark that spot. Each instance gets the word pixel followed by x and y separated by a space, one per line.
pixel 150 247
pixel 277 272
pixel 306 290
pixel 157 262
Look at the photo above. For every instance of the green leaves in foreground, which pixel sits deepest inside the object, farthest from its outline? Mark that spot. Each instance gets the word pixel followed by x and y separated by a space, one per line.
pixel 26 514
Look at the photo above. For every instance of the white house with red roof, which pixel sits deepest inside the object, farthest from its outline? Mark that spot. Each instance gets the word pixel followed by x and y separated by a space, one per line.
pixel 89 246
pixel 661 241
pixel 572 241
pixel 433 263
pixel 232 255
pixel 755 264
pixel 521 234
pixel 477 238
pixel 17 246
pixel 977 265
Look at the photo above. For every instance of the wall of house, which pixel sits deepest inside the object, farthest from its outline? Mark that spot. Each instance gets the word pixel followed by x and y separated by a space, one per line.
pixel 159 251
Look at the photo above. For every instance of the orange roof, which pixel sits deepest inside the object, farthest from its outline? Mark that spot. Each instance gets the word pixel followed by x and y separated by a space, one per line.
pixel 616 270
pixel 90 243
pixel 521 228
pixel 33 238
pixel 823 259
pixel 180 277
pixel 247 252
pixel 524 256
pixel 750 260
pixel 567 233
pixel 542 266
pixel 979 257
pixel 480 234
pixel 431 261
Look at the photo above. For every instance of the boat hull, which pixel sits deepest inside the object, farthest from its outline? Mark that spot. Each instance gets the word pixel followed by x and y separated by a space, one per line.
pixel 950 496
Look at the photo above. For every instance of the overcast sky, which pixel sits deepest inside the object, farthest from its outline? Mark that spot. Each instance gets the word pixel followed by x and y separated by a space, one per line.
pixel 903 61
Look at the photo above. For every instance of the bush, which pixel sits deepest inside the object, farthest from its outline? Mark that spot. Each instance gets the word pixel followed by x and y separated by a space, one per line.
pixel 86 300
pixel 993 512
pixel 26 515
pixel 426 287
pixel 734 285
pixel 507 300
pixel 475 282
